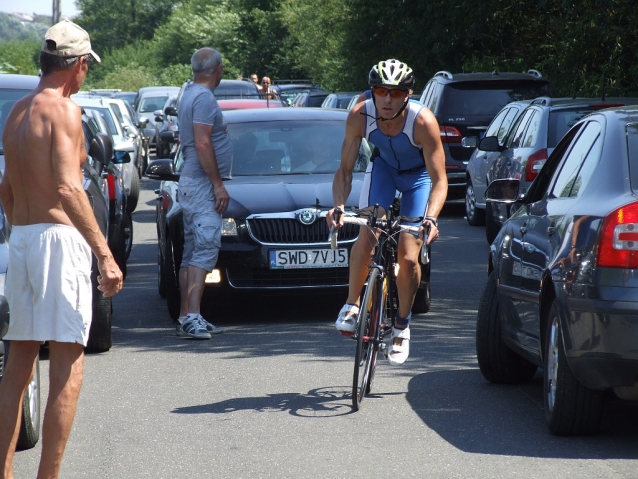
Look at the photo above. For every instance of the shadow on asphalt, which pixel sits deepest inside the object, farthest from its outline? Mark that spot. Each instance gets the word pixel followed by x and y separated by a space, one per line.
pixel 478 417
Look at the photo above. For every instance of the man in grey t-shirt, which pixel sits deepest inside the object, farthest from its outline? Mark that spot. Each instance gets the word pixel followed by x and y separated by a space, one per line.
pixel 208 159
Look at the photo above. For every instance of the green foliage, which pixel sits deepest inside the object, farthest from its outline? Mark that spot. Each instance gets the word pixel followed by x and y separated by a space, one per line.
pixel 585 48
pixel 114 24
pixel 20 56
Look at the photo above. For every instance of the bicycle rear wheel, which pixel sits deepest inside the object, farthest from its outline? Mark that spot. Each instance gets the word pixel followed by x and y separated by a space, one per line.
pixel 367 333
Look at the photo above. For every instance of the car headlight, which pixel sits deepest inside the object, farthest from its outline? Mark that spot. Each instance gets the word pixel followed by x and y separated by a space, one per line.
pixel 229 228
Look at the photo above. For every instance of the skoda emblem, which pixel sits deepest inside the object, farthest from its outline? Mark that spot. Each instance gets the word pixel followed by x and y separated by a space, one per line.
pixel 307 216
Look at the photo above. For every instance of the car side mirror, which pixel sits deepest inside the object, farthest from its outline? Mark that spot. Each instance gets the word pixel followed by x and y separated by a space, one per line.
pixel 142 122
pixel 489 143
pixel 469 142
pixel 162 169
pixel 503 191
pixel 101 148
pixel 170 110
pixel 122 157
pixel 169 136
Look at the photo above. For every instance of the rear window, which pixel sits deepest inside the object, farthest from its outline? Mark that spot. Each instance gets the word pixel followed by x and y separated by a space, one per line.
pixel 632 153
pixel 560 121
pixel 240 91
pixel 488 98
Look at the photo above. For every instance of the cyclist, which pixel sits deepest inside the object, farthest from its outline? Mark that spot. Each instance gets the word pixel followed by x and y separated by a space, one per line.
pixel 410 159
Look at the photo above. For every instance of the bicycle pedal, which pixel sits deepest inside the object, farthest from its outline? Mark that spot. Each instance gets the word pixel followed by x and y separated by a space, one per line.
pixel 383 348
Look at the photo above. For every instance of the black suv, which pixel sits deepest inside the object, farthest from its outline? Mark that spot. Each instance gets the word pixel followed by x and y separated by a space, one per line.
pixel 464 104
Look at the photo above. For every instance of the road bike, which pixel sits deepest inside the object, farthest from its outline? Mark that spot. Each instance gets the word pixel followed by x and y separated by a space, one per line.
pixel 379 300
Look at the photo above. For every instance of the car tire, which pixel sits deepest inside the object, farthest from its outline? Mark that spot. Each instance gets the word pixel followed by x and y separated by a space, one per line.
pixel 134 194
pixel 571 409
pixel 171 282
pixel 474 216
pixel 29 434
pixel 161 281
pixel 128 233
pixel 491 229
pixel 100 335
pixel 498 363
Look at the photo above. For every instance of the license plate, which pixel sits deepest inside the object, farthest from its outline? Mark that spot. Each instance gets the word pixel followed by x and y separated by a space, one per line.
pixel 308 258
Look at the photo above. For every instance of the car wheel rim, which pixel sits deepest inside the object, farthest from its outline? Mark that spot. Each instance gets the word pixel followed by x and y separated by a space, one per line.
pixel 470 201
pixel 34 396
pixel 552 364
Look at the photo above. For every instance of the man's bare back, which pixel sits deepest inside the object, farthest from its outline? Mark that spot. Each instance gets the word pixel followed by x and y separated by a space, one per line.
pixel 39 153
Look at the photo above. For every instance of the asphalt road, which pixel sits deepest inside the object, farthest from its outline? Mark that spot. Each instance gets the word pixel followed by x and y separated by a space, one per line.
pixel 270 398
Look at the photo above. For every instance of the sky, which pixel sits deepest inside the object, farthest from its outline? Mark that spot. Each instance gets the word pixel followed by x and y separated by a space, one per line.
pixel 41 7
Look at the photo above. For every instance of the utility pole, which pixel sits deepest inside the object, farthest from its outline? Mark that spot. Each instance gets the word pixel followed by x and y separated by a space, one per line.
pixel 55 18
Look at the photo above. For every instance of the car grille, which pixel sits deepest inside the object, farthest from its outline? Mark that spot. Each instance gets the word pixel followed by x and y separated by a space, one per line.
pixel 292 278
pixel 291 231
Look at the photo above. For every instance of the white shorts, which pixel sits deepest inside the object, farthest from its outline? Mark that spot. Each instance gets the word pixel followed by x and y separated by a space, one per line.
pixel 48 284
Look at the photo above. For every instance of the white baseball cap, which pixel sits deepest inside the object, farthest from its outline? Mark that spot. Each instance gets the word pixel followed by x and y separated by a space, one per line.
pixel 66 39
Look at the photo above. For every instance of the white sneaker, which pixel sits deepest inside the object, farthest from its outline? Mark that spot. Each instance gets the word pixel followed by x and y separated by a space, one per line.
pixel 397 354
pixel 211 328
pixel 192 328
pixel 347 319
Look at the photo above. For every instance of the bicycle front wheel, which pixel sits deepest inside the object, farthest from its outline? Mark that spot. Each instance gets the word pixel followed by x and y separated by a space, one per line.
pixel 367 333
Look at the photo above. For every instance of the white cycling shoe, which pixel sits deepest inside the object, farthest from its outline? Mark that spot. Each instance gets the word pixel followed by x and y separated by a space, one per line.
pixel 347 319
pixel 397 354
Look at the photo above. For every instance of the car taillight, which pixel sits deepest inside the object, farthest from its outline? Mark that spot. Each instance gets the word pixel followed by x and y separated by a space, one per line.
pixel 449 134
pixel 535 162
pixel 110 179
pixel 618 247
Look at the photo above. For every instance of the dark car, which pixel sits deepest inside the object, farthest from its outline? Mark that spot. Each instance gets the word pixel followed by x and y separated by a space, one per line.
pixel 529 142
pixel 274 233
pixel 234 89
pixel 563 275
pixel 465 103
pixel 481 161
pixel 120 237
pixel 287 90
pixel 312 99
pixel 339 100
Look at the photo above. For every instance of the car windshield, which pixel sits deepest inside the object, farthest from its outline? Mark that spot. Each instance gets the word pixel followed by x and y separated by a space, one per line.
pixel 151 103
pixel 7 98
pixel 289 147
pixel 488 98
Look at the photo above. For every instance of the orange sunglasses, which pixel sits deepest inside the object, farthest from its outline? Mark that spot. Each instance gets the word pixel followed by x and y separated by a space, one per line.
pixel 394 93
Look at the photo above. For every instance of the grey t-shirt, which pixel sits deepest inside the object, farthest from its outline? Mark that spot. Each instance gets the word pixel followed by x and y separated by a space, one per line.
pixel 198 105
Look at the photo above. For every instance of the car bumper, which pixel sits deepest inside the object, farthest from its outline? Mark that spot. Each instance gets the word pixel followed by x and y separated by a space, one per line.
pixel 602 342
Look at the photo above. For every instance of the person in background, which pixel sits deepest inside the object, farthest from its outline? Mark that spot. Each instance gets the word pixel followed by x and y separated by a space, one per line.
pixel 208 159
pixel 266 91
pixel 255 79
pixel 54 232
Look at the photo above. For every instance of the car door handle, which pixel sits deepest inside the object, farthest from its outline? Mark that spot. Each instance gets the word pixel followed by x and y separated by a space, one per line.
pixel 551 230
pixel 523 229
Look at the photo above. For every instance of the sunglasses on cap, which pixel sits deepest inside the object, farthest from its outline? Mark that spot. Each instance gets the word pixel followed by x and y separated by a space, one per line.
pixel 395 93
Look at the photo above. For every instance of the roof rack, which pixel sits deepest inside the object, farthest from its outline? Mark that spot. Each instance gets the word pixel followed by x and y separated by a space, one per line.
pixel 535 73
pixel 444 73
pixel 542 100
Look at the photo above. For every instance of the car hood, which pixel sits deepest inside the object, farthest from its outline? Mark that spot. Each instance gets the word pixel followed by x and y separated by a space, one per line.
pixel 271 194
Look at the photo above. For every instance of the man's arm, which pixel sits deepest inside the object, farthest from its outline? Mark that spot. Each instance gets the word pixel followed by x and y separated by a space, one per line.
pixel 208 160
pixel 342 183
pixel 68 154
pixel 428 134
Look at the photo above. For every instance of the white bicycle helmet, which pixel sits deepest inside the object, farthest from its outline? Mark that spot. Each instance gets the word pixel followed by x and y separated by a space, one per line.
pixel 391 72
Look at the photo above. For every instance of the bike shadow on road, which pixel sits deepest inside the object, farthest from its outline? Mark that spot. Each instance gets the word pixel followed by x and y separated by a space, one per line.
pixel 479 417
pixel 316 403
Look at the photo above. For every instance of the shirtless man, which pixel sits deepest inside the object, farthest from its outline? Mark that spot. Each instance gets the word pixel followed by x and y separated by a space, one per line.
pixel 53 234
